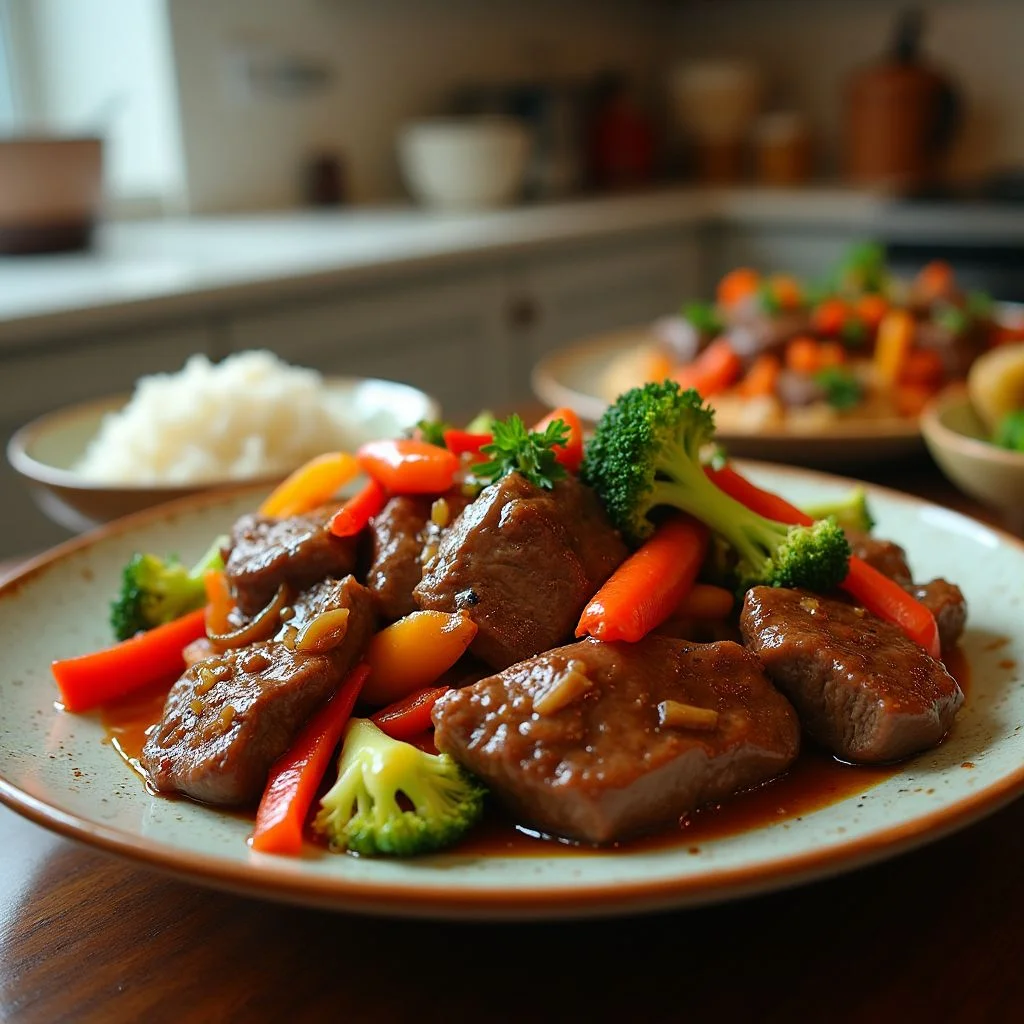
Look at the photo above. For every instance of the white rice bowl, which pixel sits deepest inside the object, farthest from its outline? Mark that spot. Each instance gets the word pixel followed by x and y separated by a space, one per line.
pixel 251 415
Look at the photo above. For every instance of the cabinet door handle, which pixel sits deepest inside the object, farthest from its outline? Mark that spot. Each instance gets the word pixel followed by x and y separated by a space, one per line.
pixel 523 313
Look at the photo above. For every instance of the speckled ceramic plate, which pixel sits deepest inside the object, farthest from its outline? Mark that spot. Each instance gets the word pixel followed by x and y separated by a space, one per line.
pixel 56 769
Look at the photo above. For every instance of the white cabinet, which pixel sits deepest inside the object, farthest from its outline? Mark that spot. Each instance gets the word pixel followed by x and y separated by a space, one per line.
pixel 471 338
pixel 809 252
pixel 566 295
pixel 440 333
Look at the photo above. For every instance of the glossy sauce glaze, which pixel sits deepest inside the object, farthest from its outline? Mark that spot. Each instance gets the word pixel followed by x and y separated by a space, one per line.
pixel 816 780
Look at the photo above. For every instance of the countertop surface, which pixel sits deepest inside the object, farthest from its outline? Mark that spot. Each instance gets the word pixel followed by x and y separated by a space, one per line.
pixel 184 266
pixel 933 934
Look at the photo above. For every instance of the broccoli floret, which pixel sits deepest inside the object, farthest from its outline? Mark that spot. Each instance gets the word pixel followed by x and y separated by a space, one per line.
pixel 393 799
pixel 645 454
pixel 156 590
pixel 851 511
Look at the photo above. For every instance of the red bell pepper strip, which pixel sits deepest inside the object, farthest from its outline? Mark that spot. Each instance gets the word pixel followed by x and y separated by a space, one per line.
pixel 409 466
pixel 648 587
pixel 875 591
pixel 358 510
pixel 409 716
pixel 570 454
pixel 296 774
pixel 462 442
pixel 89 680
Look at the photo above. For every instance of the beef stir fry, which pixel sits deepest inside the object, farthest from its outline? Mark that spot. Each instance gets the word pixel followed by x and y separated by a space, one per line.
pixel 598 637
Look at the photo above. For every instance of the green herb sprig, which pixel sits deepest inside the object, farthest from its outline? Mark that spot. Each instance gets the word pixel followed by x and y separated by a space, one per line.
pixel 515 449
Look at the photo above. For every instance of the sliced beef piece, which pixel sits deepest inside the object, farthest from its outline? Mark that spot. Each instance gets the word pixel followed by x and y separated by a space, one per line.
pixel 262 553
pixel 947 603
pixel 945 600
pixel 229 717
pixel 860 686
pixel 404 537
pixel 884 555
pixel 522 562
pixel 598 765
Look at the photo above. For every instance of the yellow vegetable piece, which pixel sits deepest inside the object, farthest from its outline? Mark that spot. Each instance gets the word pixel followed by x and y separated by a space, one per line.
pixel 311 485
pixel 995 384
pixel 895 340
pixel 413 652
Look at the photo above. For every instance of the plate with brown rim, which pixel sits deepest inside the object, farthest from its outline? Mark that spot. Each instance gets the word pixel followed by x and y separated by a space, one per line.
pixel 60 769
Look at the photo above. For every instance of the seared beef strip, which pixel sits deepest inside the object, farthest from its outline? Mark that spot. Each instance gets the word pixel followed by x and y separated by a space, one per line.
pixel 404 537
pixel 860 686
pixel 947 603
pixel 887 557
pixel 229 717
pixel 600 766
pixel 944 600
pixel 522 562
pixel 262 553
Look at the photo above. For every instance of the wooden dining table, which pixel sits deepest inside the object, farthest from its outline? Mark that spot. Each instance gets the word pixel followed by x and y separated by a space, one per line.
pixel 935 934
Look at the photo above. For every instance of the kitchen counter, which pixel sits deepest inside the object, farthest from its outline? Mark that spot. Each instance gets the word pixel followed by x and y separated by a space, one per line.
pixel 195 266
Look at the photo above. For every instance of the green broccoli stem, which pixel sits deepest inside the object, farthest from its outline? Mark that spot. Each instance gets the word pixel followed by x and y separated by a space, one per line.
pixel 752 536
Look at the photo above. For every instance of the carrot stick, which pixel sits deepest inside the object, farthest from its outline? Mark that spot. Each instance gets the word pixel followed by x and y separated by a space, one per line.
pixel 296 774
pixel 409 716
pixel 219 602
pixel 570 454
pixel 310 485
pixel 761 378
pixel 89 680
pixel 712 371
pixel 358 510
pixel 706 601
pixel 648 587
pixel 408 466
pixel 737 285
pixel 875 591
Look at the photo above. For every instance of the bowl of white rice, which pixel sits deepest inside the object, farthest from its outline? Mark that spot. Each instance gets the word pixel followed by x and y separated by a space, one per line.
pixel 249 418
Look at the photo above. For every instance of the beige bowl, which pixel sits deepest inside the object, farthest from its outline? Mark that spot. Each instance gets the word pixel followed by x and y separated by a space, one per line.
pixel 957 441
pixel 45 450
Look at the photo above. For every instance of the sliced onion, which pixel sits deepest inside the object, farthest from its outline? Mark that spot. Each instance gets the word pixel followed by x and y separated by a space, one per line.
pixel 262 627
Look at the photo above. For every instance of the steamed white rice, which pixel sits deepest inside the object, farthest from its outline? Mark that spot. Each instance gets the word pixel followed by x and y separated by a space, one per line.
pixel 250 415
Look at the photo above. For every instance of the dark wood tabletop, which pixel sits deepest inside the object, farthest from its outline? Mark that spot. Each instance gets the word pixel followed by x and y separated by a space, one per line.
pixel 931 935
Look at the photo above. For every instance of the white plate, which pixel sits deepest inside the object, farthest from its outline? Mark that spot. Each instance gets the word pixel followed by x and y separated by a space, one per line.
pixel 56 769
pixel 574 377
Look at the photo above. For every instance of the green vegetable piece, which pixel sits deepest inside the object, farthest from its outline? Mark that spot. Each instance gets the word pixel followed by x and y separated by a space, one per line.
pixel 704 317
pixel 854 332
pixel 767 300
pixel 1009 432
pixel 851 511
pixel 863 269
pixel 646 454
pixel 432 431
pixel 515 449
pixel 156 590
pixel 481 423
pixel 393 799
pixel 842 389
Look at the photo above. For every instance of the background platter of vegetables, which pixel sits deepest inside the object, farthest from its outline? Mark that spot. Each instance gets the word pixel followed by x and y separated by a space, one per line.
pixel 312 656
pixel 774 351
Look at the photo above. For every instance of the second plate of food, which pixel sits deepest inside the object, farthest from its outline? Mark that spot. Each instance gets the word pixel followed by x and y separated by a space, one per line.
pixel 586 376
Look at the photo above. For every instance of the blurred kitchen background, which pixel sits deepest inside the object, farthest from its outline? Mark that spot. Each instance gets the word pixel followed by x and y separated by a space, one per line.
pixel 261 174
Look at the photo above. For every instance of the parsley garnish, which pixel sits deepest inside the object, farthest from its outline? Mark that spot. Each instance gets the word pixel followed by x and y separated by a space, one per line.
pixel 529 453
pixel 842 389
